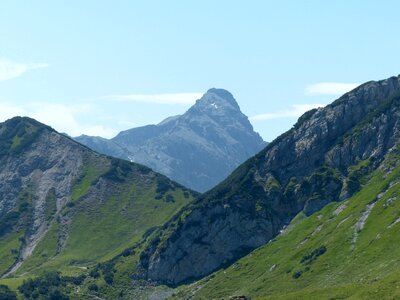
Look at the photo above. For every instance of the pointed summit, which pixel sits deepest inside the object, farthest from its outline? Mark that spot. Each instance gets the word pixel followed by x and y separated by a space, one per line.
pixel 222 94
pixel 215 100
pixel 197 149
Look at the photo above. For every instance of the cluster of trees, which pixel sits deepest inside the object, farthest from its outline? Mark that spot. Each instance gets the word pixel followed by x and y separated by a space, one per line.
pixel 47 287
pixel 53 286
pixel 107 269
pixel 6 293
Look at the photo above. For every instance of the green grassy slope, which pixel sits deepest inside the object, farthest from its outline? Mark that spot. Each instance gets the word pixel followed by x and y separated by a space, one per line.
pixel 112 204
pixel 101 228
pixel 347 250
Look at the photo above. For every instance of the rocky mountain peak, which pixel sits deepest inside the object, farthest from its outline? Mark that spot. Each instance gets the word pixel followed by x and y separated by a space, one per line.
pixel 18 132
pixel 216 102
pixel 21 121
pixel 198 149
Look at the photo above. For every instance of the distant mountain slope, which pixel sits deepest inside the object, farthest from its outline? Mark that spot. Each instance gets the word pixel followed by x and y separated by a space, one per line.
pixel 65 207
pixel 322 159
pixel 197 149
pixel 103 145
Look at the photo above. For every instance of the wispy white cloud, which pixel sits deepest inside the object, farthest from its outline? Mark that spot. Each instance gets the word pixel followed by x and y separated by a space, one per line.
pixel 173 98
pixel 330 88
pixel 295 111
pixel 10 69
pixel 63 118
pixel 37 66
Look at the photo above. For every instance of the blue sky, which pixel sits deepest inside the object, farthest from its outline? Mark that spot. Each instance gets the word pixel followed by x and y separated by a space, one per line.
pixel 98 67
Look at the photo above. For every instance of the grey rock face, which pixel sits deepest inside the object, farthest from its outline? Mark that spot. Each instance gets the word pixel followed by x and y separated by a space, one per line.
pixel 197 149
pixel 302 170
pixel 207 239
pixel 50 162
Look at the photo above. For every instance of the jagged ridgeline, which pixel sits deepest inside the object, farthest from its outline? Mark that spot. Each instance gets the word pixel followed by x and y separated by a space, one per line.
pixel 328 156
pixel 64 207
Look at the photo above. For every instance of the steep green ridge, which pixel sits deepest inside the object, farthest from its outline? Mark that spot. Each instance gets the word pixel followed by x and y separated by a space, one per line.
pixel 346 250
pixel 64 207
pixel 321 160
pixel 100 232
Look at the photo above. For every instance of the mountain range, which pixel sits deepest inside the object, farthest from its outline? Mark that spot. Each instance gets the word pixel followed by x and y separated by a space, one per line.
pixel 314 215
pixel 197 149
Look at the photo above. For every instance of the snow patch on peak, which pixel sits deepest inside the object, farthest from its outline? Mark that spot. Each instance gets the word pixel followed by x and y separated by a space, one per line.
pixel 214 105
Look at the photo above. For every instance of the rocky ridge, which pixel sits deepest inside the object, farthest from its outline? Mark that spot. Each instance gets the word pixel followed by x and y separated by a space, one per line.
pixel 318 161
